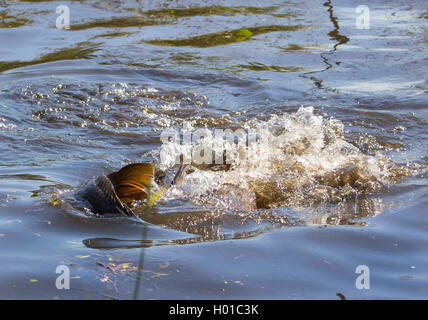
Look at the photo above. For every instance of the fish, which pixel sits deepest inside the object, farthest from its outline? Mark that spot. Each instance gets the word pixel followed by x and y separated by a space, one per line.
pixel 116 194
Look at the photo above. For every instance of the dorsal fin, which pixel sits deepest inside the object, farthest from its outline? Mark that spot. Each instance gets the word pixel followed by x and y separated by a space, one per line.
pixel 107 187
pixel 181 173
pixel 108 191
pixel 133 181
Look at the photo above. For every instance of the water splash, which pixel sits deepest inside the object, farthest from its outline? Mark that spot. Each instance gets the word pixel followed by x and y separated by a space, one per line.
pixel 300 160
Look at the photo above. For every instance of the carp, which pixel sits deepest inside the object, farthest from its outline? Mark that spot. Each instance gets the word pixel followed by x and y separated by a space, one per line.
pixel 117 193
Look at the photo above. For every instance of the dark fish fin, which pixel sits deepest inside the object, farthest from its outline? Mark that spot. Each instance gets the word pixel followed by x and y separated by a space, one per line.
pixel 133 181
pixel 181 173
pixel 107 187
pixel 103 198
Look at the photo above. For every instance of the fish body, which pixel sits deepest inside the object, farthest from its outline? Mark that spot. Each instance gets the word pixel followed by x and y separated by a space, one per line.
pixel 115 194
pixel 103 199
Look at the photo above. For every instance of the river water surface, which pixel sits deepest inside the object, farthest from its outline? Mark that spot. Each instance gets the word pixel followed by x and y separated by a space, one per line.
pixel 341 179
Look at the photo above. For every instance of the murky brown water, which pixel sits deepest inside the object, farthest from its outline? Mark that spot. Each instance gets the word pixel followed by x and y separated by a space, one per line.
pixel 338 173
